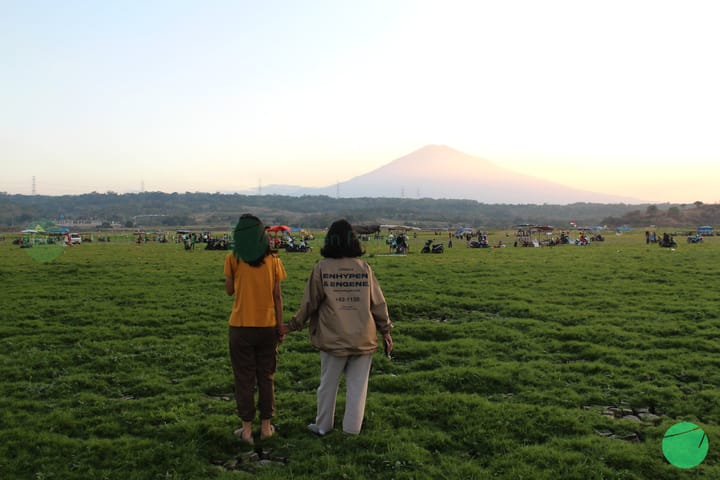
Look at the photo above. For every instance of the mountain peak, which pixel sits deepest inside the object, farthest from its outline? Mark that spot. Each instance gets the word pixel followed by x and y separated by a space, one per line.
pixel 436 149
pixel 439 171
pixel 433 161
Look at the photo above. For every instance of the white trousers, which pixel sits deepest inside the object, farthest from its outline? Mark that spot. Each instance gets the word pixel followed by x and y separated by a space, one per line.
pixel 357 373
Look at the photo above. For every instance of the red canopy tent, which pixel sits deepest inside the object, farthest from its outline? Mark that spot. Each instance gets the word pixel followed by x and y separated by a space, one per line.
pixel 278 228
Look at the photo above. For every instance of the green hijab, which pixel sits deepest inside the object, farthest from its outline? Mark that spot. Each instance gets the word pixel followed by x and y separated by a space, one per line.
pixel 250 240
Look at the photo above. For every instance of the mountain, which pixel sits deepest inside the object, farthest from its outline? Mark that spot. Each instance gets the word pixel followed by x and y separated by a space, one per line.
pixel 438 171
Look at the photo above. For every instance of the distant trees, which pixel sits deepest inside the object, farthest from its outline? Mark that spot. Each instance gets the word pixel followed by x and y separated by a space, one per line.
pixel 177 220
pixel 214 209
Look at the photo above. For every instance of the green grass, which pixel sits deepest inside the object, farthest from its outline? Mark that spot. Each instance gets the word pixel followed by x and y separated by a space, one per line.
pixel 114 364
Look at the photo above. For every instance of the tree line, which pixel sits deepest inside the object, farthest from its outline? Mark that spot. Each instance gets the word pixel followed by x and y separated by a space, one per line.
pixel 318 211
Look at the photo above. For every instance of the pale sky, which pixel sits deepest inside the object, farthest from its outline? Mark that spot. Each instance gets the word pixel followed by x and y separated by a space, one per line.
pixel 619 97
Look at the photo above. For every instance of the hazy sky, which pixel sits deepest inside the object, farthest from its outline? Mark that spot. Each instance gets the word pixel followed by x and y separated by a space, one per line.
pixel 613 96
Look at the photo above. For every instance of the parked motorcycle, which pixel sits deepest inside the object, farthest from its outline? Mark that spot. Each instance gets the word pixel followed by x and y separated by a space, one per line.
pixel 299 248
pixel 430 248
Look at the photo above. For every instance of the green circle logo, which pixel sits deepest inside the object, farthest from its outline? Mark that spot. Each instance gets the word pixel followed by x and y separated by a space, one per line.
pixel 685 445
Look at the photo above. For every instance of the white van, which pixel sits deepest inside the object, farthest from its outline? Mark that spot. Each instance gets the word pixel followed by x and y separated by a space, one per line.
pixel 75 238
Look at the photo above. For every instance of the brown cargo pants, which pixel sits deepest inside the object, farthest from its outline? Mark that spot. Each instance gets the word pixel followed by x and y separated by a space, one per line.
pixel 253 355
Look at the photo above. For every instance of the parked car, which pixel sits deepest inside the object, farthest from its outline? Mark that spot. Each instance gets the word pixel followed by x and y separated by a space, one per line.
pixel 75 238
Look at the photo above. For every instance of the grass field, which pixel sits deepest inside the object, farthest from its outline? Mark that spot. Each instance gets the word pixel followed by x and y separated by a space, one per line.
pixel 516 363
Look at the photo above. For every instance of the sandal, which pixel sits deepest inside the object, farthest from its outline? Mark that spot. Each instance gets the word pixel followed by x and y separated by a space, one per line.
pixel 239 434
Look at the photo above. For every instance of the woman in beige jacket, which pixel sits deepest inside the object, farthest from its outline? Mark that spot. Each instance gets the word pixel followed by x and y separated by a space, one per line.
pixel 346 309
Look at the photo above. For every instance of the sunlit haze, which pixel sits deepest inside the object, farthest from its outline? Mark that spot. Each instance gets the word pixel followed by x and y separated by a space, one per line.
pixel 619 97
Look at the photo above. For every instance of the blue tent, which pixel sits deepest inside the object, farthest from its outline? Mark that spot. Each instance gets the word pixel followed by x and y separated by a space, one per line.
pixel 705 230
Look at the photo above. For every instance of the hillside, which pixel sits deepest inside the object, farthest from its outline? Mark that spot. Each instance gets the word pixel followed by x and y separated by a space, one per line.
pixel 672 216
pixel 220 210
pixel 440 172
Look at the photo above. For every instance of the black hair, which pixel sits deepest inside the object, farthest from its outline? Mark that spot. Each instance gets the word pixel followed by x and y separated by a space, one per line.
pixel 341 241
pixel 261 259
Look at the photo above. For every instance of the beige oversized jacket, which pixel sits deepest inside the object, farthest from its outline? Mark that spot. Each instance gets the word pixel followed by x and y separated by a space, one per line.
pixel 345 306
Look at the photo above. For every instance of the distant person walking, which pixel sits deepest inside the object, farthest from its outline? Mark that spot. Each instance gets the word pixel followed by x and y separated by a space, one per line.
pixel 253 274
pixel 346 309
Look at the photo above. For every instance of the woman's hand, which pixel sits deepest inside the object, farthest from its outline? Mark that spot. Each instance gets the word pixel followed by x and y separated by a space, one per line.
pixel 387 343
pixel 282 330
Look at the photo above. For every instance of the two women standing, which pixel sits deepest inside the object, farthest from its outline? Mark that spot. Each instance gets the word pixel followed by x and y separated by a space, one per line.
pixel 342 303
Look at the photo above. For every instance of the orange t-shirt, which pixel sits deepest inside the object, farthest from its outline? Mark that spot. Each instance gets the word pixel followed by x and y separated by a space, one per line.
pixel 254 305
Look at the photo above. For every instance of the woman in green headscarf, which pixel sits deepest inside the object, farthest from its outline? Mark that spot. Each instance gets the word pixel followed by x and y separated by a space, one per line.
pixel 253 274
